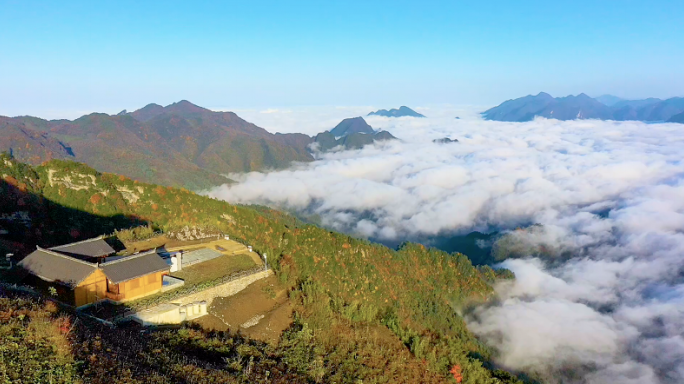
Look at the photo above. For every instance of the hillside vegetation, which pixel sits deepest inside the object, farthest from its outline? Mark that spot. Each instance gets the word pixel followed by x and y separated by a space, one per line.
pixel 364 312
pixel 178 145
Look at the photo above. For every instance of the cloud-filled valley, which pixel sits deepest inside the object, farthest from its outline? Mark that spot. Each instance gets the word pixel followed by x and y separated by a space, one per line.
pixel 610 200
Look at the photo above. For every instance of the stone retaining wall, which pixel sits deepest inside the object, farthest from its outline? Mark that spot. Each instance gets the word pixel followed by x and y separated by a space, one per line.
pixel 227 289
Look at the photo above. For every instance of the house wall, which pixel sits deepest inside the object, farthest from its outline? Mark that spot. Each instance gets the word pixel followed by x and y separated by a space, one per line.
pixel 64 294
pixel 91 289
pixel 142 286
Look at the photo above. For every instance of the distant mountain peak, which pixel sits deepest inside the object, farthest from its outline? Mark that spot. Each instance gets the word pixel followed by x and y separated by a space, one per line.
pixel 401 112
pixel 152 110
pixel 148 112
pixel 582 106
pixel 93 115
pixel 351 125
pixel 326 141
pixel 184 106
pixel 181 144
pixel 608 100
pixel 150 107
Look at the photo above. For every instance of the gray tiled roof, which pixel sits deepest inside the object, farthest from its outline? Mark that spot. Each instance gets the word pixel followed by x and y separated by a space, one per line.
pixel 53 266
pixel 96 247
pixel 132 267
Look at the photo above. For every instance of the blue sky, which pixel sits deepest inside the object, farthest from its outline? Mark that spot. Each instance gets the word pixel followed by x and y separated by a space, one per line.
pixel 66 58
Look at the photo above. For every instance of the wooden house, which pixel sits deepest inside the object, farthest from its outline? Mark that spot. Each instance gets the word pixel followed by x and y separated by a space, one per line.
pixel 89 250
pixel 134 276
pixel 82 274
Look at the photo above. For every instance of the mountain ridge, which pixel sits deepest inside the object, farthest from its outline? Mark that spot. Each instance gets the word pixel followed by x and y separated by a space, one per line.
pixel 584 107
pixel 678 118
pixel 351 125
pixel 181 144
pixel 30 145
pixel 401 112
pixel 609 100
pixel 350 133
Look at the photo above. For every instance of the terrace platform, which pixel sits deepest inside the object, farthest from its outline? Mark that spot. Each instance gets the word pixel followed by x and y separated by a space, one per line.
pixel 170 282
pixel 199 256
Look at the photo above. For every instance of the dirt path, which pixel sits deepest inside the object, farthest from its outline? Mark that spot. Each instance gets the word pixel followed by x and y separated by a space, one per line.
pixel 261 311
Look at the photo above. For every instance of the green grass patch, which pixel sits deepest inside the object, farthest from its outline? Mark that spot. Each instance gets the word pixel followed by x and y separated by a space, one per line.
pixel 198 278
pixel 214 269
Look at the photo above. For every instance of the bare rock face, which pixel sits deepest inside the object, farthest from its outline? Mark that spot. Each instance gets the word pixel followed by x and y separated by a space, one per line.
pixel 193 233
pixel 228 218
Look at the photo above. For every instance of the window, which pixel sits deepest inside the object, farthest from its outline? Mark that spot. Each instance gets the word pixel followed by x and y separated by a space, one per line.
pixel 111 287
pixel 151 279
pixel 134 284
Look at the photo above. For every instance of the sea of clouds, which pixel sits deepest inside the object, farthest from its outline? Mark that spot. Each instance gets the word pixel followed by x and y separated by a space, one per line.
pixel 610 194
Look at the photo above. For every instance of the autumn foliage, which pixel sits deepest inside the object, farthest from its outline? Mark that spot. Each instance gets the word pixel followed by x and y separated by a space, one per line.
pixel 456 372
pixel 357 304
pixel 96 198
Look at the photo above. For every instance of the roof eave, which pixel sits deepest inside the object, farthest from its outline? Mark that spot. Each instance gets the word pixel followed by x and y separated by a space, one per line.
pixel 138 276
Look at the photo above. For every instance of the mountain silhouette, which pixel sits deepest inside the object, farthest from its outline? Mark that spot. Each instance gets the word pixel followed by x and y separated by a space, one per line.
pixel 351 125
pixel 402 111
pixel 584 107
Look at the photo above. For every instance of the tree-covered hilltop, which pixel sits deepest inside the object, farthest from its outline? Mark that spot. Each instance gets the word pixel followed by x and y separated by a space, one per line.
pixel 346 291
pixel 181 144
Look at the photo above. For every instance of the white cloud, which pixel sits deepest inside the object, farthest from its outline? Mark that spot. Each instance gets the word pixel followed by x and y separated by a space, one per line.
pixel 308 120
pixel 274 110
pixel 613 310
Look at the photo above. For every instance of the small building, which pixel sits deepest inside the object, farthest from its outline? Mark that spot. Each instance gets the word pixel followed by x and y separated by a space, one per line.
pixel 82 274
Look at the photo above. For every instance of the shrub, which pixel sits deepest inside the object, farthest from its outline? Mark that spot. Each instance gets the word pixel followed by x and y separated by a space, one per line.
pixel 138 233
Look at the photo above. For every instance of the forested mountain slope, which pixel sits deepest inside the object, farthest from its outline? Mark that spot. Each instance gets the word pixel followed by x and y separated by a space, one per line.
pixel 346 290
pixel 178 145
pixel 28 144
pixel 220 141
pixel 123 145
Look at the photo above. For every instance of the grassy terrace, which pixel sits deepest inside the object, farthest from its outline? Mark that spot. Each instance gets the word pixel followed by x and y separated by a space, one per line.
pixel 236 260
pixel 159 241
pixel 199 277
pixel 214 270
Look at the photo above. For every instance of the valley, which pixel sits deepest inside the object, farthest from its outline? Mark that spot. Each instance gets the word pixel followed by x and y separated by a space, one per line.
pixel 339 289
pixel 342 192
